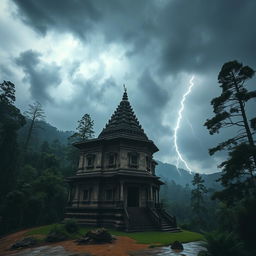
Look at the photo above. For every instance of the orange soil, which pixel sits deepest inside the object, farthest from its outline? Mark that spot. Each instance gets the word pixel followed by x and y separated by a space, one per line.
pixel 7 241
pixel 120 247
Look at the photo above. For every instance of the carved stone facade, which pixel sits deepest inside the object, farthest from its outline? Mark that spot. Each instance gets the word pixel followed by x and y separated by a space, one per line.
pixel 115 185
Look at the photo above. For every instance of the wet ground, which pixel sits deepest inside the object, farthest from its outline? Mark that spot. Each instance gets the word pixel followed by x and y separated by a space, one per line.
pixel 190 249
pixel 49 251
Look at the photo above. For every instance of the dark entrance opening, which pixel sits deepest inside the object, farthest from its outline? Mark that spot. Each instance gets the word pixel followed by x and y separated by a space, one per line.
pixel 133 197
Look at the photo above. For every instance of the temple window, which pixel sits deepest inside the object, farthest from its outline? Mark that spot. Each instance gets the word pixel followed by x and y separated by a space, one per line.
pixel 112 158
pixel 133 159
pixel 87 195
pixel 109 194
pixel 90 161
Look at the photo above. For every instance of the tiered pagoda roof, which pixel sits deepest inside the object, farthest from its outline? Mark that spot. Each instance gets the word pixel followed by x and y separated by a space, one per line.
pixel 123 123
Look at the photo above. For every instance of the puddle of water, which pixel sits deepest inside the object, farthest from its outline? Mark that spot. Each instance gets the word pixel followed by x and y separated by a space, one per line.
pixel 190 249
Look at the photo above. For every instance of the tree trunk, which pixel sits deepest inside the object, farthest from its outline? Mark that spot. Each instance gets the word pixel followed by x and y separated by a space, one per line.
pixel 29 133
pixel 247 128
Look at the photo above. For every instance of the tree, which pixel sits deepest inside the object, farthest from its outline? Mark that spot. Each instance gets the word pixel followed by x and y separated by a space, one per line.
pixel 10 121
pixel 197 199
pixel 85 128
pixel 35 113
pixel 238 172
pixel 84 132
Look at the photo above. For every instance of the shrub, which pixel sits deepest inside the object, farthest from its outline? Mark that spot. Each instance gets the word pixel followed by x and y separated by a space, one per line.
pixel 71 226
pixel 56 234
pixel 223 244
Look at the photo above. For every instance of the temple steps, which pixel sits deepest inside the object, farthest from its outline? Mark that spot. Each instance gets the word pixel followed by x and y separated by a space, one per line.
pixel 141 220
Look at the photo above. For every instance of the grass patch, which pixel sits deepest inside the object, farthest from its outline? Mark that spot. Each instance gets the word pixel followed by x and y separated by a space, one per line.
pixel 153 238
pixel 156 238
pixel 165 238
pixel 43 230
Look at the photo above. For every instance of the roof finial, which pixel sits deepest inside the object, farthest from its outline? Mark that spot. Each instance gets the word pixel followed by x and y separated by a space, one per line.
pixel 125 97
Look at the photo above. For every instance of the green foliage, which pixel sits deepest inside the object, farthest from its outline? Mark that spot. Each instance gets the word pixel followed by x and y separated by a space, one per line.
pixel 32 186
pixel 197 201
pixel 42 230
pixel 27 175
pixel 34 114
pixel 56 234
pixel 162 238
pixel 176 199
pixel 7 93
pixel 246 223
pixel 238 171
pixel 220 244
pixel 236 213
pixel 10 121
pixel 84 129
pixel 71 226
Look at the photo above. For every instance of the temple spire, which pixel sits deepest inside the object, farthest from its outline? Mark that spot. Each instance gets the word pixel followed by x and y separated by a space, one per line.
pixel 125 96
pixel 123 122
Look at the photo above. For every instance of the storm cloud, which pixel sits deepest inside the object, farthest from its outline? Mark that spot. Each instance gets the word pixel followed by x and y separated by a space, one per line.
pixel 40 76
pixel 74 57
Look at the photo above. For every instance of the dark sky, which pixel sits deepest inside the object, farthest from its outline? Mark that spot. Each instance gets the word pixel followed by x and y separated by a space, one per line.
pixel 75 56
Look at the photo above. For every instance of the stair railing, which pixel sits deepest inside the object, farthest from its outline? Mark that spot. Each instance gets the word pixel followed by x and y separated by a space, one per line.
pixel 169 217
pixel 155 216
pixel 126 218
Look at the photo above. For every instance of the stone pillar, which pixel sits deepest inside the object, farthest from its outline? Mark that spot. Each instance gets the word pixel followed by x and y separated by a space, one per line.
pixel 78 197
pixel 81 161
pixel 121 191
pixel 69 195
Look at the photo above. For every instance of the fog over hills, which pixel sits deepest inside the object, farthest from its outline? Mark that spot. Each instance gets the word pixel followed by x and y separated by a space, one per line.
pixel 44 132
pixel 169 172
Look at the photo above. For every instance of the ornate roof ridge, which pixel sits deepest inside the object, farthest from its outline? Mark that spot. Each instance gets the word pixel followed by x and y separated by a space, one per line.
pixel 123 122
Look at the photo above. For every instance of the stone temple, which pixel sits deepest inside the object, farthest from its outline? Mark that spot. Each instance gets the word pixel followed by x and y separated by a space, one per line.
pixel 115 184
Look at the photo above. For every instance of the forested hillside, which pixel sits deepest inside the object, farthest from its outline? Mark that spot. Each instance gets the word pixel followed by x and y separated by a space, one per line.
pixel 169 172
pixel 43 132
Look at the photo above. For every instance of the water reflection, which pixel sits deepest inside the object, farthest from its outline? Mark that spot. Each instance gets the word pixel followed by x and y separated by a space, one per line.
pixel 190 249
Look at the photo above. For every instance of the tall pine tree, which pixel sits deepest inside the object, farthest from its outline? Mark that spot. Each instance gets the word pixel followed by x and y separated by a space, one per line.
pixel 238 171
pixel 197 200
pixel 10 121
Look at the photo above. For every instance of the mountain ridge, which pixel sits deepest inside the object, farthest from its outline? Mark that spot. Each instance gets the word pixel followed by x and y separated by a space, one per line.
pixel 168 172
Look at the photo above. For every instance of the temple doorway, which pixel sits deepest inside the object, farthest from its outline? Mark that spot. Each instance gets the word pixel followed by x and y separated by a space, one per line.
pixel 133 197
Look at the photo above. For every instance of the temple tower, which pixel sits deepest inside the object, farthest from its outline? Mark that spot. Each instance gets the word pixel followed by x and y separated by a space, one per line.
pixel 115 184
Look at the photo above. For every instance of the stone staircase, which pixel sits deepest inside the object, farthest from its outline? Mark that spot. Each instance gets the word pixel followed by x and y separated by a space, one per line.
pixel 140 219
pixel 166 226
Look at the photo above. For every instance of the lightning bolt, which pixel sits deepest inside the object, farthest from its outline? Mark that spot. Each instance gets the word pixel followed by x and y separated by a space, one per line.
pixel 179 156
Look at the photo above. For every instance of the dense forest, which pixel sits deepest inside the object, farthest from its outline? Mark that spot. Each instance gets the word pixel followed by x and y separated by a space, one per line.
pixel 36 158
